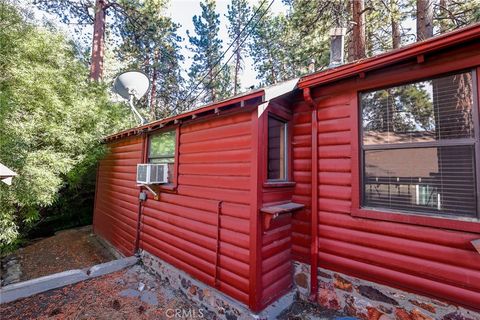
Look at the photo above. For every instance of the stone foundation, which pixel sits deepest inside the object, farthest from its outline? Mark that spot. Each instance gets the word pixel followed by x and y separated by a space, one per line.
pixel 209 298
pixel 369 300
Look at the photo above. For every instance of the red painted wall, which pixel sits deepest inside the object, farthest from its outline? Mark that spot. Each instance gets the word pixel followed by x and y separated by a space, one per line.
pixel 181 228
pixel 116 199
pixel 214 187
pixel 276 254
pixel 276 260
pixel 221 175
pixel 409 255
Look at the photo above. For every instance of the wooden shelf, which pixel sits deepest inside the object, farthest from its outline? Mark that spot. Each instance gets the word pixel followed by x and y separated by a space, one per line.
pixel 273 212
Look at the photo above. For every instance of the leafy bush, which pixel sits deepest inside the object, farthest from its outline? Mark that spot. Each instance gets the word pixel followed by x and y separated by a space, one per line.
pixel 52 120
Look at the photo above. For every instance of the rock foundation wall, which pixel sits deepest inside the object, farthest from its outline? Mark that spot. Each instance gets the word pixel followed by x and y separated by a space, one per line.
pixel 208 297
pixel 372 301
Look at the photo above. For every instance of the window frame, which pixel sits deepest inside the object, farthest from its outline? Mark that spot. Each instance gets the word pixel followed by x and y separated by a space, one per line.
pixel 149 158
pixel 171 186
pixel 280 112
pixel 410 217
pixel 286 168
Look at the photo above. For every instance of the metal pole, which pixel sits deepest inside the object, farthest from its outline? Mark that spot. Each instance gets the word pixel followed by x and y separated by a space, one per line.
pixel 130 102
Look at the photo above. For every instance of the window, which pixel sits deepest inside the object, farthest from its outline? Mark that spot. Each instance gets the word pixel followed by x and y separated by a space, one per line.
pixel 420 145
pixel 277 149
pixel 162 150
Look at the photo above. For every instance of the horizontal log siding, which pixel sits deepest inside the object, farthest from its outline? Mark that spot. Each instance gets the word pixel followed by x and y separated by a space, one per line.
pixel 181 228
pixel 302 168
pixel 276 242
pixel 116 201
pixel 425 260
pixel 276 259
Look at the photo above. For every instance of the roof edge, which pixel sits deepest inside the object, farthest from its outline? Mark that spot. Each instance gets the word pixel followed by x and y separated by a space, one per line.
pixel 433 44
pixel 216 106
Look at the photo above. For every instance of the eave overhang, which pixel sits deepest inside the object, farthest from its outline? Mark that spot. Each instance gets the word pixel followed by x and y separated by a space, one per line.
pixel 415 50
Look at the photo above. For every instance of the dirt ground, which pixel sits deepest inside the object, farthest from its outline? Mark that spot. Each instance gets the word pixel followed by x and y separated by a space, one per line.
pixel 128 294
pixel 69 249
pixel 132 293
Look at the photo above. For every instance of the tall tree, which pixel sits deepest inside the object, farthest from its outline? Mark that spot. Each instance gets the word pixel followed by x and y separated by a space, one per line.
pixel 150 43
pixel 238 17
pixel 450 14
pixel 358 41
pixel 206 75
pixel 81 13
pixel 51 122
pixel 384 25
pixel 268 47
pixel 307 34
pixel 424 19
pixel 395 21
pixel 98 41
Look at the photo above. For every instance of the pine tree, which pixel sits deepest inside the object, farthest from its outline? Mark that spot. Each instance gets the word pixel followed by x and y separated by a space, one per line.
pixel 450 15
pixel 238 17
pixel 309 24
pixel 151 44
pixel 268 47
pixel 384 29
pixel 208 80
pixel 424 19
pixel 81 13
pixel 357 43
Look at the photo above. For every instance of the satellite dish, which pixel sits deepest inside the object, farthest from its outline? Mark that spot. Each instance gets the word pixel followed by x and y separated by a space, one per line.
pixel 130 85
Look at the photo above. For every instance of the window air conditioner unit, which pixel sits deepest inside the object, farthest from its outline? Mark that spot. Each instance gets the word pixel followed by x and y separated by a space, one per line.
pixel 152 173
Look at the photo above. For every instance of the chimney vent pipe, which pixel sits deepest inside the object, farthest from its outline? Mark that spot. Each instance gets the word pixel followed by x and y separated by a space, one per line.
pixel 337 43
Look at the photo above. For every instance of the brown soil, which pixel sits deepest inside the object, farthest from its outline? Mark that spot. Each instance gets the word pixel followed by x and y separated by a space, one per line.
pixel 105 298
pixel 69 249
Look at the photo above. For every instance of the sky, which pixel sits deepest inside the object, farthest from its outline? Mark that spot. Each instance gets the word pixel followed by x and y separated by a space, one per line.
pixel 182 12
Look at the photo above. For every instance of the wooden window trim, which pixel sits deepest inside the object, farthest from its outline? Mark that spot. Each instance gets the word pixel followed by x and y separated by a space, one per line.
pixel 438 221
pixel 287 118
pixel 170 187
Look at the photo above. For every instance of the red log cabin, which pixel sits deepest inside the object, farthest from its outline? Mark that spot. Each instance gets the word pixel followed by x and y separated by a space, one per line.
pixel 383 212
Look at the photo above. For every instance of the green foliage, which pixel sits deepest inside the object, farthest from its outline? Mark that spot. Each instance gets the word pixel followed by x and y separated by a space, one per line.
pixel 450 15
pixel 150 43
pixel 238 16
pixel 309 25
pixel 400 109
pixel 162 144
pixel 51 121
pixel 268 48
pixel 207 49
pixel 288 46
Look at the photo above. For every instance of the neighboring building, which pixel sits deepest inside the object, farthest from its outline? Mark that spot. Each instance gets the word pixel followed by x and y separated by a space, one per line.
pixel 6 175
pixel 393 181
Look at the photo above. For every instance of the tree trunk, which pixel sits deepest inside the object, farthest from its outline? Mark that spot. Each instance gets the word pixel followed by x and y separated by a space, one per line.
pixel 394 18
pixel 350 51
pixel 153 91
pixel 212 85
pixel 424 19
pixel 98 43
pixel 238 56
pixel 358 30
pixel 236 83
